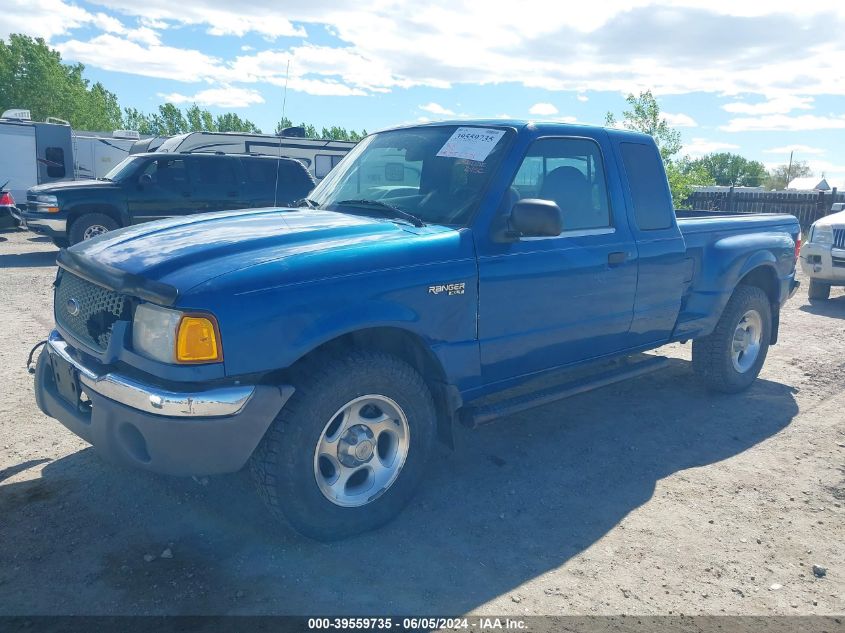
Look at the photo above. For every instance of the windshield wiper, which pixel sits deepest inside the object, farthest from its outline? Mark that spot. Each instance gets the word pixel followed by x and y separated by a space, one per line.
pixel 387 210
pixel 306 202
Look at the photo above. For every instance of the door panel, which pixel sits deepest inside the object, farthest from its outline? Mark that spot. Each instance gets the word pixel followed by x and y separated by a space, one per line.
pixel 554 301
pixel 215 183
pixel 551 301
pixel 165 193
pixel 664 266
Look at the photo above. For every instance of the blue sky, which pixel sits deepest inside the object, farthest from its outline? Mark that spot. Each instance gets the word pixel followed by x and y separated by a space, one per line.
pixel 759 79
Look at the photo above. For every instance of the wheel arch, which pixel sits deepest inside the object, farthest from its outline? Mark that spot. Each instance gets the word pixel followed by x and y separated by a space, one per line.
pixel 105 208
pixel 411 348
pixel 764 276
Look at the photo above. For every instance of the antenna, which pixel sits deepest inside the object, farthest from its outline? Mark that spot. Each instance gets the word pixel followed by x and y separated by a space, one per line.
pixel 279 157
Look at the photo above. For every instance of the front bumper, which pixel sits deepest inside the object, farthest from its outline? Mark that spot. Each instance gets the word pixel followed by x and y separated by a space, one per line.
pixel 823 263
pixel 177 432
pixel 43 223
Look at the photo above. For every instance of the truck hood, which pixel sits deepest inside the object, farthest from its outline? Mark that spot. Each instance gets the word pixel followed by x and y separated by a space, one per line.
pixel 830 220
pixel 185 252
pixel 70 185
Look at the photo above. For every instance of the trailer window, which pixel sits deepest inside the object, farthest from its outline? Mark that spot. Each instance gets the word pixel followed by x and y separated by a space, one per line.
pixel 55 158
pixel 324 163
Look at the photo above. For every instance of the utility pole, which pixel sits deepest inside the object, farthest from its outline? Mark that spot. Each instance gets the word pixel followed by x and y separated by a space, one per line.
pixel 789 169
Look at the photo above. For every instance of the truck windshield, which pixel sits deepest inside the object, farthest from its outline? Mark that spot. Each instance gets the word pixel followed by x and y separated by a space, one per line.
pixel 435 173
pixel 125 168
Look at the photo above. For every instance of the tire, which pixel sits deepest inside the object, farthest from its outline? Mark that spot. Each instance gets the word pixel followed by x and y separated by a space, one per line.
pixel 818 291
pixel 90 225
pixel 714 357
pixel 292 474
pixel 61 242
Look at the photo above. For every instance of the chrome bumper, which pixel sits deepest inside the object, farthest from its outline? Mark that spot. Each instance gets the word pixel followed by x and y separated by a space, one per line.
pixel 56 225
pixel 224 401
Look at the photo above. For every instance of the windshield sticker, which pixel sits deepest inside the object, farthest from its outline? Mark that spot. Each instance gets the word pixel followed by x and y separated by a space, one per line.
pixel 471 143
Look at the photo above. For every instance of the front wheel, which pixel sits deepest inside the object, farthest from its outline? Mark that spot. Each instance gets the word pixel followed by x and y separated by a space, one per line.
pixel 348 450
pixel 818 290
pixel 730 358
pixel 89 226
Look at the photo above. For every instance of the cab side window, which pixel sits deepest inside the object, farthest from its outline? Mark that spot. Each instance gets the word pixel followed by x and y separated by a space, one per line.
pixel 168 174
pixel 570 173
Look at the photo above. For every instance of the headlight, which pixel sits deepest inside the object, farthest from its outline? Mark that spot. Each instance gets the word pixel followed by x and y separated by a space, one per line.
pixel 822 234
pixel 50 204
pixel 171 336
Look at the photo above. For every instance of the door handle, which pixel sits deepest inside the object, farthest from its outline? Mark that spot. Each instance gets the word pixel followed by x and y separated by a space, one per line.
pixel 617 257
pixel 232 194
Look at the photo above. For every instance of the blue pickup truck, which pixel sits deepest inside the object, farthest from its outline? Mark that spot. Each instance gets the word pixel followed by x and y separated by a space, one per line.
pixel 441 274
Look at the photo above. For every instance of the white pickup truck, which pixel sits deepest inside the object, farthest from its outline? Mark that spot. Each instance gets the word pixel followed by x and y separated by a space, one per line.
pixel 823 255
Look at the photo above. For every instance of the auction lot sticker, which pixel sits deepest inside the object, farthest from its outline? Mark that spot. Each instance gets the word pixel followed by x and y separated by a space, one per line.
pixel 471 143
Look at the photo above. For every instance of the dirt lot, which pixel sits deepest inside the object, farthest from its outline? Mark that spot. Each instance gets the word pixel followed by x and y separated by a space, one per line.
pixel 650 497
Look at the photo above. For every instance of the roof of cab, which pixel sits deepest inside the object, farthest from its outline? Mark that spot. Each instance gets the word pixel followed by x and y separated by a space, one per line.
pixel 540 126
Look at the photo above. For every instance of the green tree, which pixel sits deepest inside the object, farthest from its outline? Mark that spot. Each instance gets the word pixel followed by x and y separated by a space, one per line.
pixel 644 116
pixel 335 133
pixel 32 76
pixel 231 122
pixel 780 176
pixel 683 175
pixel 728 169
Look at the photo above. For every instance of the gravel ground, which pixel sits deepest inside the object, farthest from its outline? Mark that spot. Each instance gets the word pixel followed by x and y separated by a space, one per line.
pixel 648 497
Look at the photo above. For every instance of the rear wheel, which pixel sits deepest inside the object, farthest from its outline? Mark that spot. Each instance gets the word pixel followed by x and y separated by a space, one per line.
pixel 730 358
pixel 348 450
pixel 89 226
pixel 818 290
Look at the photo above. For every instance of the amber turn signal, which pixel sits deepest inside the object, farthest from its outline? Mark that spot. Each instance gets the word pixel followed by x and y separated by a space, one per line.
pixel 197 340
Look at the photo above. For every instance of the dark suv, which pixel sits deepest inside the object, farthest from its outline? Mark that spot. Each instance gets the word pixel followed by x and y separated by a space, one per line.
pixel 159 185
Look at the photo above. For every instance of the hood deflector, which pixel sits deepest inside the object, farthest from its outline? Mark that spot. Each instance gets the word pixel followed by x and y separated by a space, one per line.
pixel 117 280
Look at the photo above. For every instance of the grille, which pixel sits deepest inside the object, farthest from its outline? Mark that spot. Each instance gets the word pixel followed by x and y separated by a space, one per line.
pixel 98 310
pixel 839 238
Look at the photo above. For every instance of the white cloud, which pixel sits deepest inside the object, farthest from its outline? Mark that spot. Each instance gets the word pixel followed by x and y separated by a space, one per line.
pixel 225 97
pixel 220 17
pixel 111 52
pixel 679 120
pixel 582 97
pixel 436 108
pixel 798 149
pixel 543 109
pixel 785 123
pixel 672 48
pixel 41 18
pixel 702 146
pixel 777 105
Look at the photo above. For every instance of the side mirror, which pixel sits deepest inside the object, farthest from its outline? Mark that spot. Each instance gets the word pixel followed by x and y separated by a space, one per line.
pixel 535 218
pixel 145 179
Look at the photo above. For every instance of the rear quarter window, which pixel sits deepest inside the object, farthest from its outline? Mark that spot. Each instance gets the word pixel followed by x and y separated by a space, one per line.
pixel 652 201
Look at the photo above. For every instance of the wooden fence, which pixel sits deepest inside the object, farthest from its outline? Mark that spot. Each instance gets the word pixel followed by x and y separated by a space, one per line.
pixel 807 206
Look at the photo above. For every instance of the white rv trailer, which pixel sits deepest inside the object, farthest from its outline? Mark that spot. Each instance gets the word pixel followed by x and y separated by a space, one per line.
pixel 32 152
pixel 96 153
pixel 318 155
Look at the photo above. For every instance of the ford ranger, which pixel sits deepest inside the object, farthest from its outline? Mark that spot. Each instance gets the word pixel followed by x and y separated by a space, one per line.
pixel 433 278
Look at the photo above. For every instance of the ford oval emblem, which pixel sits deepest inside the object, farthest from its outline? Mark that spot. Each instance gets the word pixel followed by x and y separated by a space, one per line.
pixel 72 307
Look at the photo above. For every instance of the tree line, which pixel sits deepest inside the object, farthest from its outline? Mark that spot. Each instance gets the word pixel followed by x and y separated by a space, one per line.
pixel 33 77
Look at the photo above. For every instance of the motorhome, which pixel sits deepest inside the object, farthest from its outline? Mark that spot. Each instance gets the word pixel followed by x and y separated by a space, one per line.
pixel 318 155
pixel 32 152
pixel 96 153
